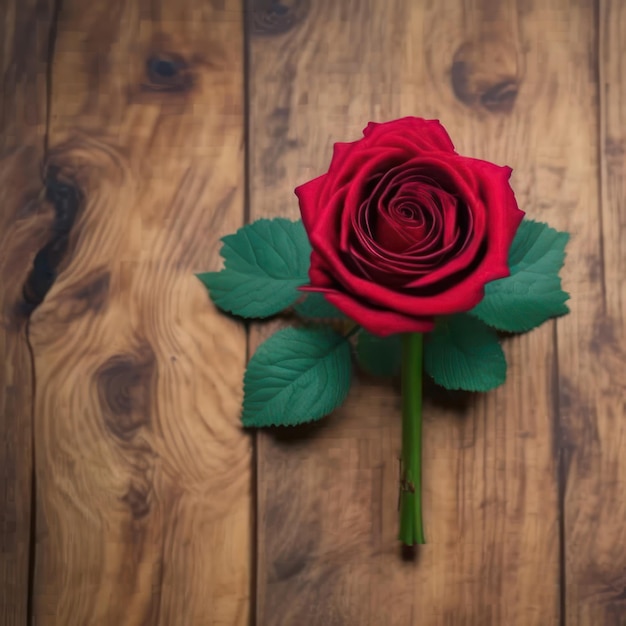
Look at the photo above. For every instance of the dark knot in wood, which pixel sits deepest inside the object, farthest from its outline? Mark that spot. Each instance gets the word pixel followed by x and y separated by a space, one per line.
pixel 168 71
pixel 274 17
pixel 486 74
pixel 66 200
pixel 137 499
pixel 124 384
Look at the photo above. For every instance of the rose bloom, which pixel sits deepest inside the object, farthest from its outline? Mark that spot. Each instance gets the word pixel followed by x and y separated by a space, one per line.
pixel 404 229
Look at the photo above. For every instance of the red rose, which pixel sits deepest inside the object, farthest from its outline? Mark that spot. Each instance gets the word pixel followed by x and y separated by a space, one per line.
pixel 404 229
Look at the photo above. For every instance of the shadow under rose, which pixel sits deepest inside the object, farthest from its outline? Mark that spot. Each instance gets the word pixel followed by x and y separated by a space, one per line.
pixel 286 435
pixel 450 400
pixel 436 398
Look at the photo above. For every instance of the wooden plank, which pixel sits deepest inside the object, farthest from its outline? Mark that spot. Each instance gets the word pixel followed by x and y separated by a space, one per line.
pixel 592 352
pixel 510 81
pixel 143 470
pixel 24 28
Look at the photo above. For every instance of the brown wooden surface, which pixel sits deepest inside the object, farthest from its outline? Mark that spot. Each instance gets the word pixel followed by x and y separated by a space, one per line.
pixel 143 471
pixel 128 382
pixel 592 341
pixel 327 518
pixel 24 221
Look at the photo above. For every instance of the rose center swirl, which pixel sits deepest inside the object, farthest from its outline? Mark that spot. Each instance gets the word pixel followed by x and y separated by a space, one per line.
pixel 407 226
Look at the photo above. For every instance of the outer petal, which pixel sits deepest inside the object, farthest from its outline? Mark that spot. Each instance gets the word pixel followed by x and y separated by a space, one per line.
pixel 426 134
pixel 319 276
pixel 309 195
pixel 504 216
pixel 381 322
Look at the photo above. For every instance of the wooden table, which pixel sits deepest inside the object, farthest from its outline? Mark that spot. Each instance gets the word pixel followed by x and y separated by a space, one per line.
pixel 133 135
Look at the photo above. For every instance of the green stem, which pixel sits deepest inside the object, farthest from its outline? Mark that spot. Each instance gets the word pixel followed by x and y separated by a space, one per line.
pixel 411 525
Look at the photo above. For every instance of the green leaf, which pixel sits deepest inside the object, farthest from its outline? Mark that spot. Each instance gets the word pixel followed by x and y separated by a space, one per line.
pixel 464 353
pixel 532 293
pixel 296 376
pixel 264 264
pixel 315 306
pixel 380 356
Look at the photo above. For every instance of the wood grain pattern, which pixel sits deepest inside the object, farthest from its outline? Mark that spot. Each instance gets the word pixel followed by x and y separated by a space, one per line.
pixel 592 351
pixel 120 190
pixel 143 470
pixel 24 220
pixel 494 73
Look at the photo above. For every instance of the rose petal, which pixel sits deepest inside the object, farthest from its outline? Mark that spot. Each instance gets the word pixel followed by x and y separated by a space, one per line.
pixel 503 223
pixel 473 199
pixel 309 199
pixel 422 134
pixel 379 322
pixel 372 163
pixel 453 173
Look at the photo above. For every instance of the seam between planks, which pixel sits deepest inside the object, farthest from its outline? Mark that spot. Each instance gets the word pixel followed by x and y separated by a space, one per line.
pixel 32 541
pixel 562 465
pixel 247 194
